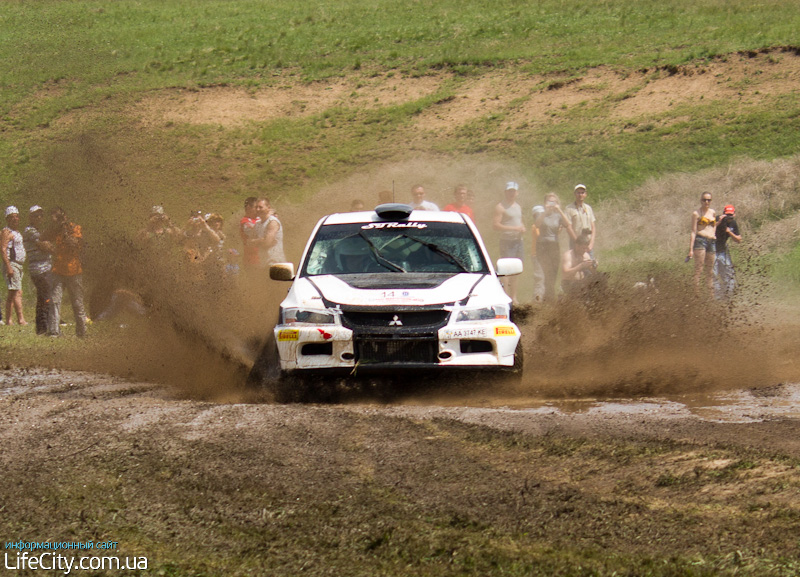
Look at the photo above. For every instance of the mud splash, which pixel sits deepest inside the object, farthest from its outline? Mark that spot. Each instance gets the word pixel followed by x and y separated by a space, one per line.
pixel 617 340
pixel 620 342
pixel 202 332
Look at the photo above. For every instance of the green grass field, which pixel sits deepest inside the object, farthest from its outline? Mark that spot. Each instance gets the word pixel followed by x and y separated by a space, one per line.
pixel 57 57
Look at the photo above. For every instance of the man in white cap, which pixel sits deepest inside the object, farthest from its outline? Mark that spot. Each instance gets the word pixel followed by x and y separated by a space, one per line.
pixel 13 257
pixel 40 266
pixel 582 218
pixel 508 222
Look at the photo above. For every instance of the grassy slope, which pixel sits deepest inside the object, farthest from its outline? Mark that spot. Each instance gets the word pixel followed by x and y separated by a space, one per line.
pixel 59 56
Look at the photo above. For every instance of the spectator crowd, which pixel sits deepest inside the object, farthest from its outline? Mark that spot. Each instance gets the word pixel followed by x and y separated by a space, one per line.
pixel 51 248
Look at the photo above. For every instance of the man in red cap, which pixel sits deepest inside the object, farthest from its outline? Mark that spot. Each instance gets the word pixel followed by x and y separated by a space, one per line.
pixel 724 274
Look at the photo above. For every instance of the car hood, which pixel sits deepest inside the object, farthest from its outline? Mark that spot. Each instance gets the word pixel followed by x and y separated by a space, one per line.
pixel 394 289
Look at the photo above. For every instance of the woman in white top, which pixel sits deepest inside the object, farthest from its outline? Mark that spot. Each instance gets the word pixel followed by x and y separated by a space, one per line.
pixel 13 252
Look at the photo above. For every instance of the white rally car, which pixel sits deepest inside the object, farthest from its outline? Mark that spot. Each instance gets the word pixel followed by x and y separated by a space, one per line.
pixel 395 290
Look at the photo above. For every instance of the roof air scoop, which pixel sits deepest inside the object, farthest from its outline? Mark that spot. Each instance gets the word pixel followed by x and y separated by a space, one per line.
pixel 393 211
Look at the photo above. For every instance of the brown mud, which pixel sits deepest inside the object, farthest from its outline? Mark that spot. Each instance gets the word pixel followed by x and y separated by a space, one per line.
pixel 650 426
pixel 653 486
pixel 203 331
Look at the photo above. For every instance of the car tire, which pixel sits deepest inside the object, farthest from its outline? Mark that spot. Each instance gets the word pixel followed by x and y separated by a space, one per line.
pixel 265 372
pixel 519 359
pixel 513 374
pixel 290 388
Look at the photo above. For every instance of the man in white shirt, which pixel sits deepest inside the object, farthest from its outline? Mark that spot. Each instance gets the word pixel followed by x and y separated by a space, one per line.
pixel 419 202
pixel 508 222
pixel 268 235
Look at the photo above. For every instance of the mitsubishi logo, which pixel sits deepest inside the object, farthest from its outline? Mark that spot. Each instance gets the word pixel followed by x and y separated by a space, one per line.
pixel 396 322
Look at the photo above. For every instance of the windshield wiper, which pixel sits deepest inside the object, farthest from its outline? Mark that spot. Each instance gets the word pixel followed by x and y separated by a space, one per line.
pixel 382 260
pixel 448 256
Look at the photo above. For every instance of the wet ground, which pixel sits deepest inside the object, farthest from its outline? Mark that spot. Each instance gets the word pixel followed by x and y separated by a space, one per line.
pixel 414 486
pixel 781 401
pixel 741 406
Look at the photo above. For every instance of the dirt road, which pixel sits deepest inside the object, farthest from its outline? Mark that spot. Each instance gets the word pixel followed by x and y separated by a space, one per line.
pixel 694 484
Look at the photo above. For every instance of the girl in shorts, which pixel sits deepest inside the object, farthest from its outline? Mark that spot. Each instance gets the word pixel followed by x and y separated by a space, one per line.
pixel 702 247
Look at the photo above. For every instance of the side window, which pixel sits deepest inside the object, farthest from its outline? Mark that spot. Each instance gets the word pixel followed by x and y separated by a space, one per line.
pixel 318 262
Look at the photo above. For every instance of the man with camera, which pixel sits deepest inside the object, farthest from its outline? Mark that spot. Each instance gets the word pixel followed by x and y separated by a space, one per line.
pixel 581 216
pixel 577 265
pixel 724 273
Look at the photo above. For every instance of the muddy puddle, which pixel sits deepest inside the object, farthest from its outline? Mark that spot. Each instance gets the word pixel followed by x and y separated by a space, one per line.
pixel 734 406
pixel 775 402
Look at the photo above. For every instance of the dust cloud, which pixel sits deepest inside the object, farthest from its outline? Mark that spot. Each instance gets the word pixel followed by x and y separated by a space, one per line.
pixel 203 330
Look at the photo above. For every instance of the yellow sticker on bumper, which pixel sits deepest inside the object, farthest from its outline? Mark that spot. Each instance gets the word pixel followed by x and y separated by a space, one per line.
pixel 504 332
pixel 288 334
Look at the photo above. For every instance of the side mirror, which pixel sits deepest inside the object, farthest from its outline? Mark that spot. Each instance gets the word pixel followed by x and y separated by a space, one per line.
pixel 282 271
pixel 509 266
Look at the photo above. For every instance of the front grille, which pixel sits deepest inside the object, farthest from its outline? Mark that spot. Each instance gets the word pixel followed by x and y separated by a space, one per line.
pixel 425 321
pixel 402 351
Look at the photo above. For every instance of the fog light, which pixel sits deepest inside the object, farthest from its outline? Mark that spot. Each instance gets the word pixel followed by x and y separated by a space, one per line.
pixel 476 346
pixel 445 355
pixel 311 349
pixel 348 356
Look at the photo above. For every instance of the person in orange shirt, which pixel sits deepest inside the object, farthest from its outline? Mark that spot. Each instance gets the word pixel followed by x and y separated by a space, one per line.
pixel 460 202
pixel 66 240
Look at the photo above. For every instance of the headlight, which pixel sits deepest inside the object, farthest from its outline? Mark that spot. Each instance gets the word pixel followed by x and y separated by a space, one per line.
pixel 483 314
pixel 292 315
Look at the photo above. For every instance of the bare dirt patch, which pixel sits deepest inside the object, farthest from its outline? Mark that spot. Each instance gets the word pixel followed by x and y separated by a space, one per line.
pixel 737 80
pixel 231 106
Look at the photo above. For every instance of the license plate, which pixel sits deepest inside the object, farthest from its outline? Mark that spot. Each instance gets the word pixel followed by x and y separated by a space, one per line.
pixel 465 333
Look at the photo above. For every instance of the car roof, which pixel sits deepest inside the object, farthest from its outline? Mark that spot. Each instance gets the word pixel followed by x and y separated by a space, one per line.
pixel 372 216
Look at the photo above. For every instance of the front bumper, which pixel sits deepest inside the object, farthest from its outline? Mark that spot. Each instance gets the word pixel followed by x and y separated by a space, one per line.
pixel 338 349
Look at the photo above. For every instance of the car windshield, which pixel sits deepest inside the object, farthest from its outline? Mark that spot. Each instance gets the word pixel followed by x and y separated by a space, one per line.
pixel 395 247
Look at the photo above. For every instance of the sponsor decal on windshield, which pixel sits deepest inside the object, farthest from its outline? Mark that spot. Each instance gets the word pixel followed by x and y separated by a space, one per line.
pixel 394 225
